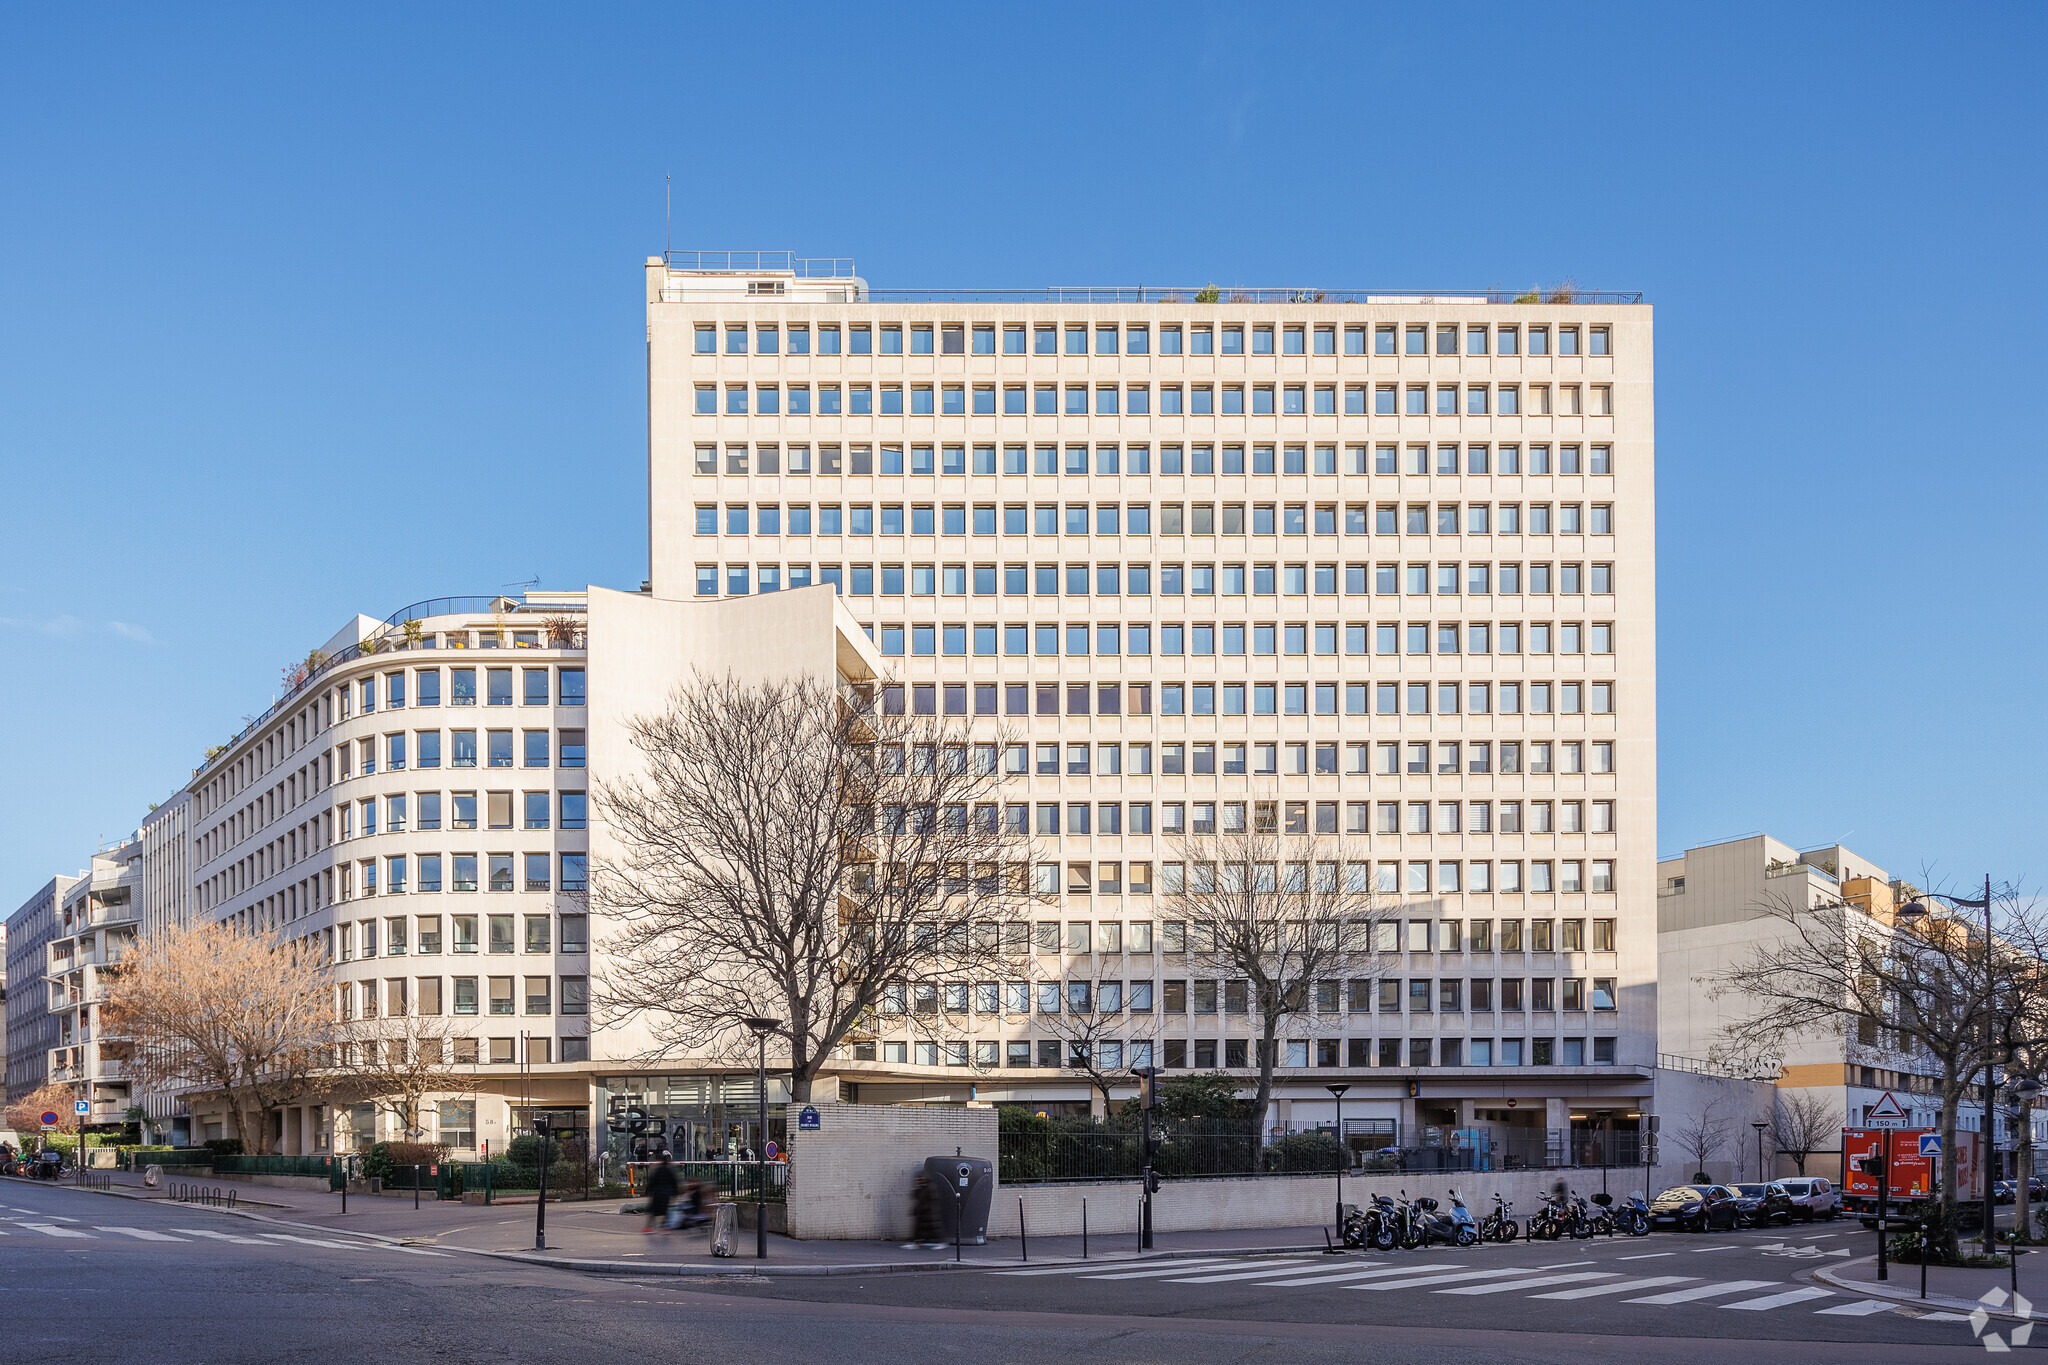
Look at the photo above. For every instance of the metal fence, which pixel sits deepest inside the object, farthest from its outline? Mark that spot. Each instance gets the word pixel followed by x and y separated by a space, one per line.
pixel 1076 1150
pixel 320 1166
pixel 739 1180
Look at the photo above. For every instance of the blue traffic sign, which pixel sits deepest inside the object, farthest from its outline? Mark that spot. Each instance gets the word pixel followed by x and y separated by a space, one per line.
pixel 1930 1144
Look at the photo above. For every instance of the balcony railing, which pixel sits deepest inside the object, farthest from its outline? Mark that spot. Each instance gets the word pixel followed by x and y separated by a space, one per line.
pixel 762 262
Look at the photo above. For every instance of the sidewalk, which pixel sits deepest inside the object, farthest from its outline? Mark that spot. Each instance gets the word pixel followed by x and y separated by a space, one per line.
pixel 595 1236
pixel 1950 1289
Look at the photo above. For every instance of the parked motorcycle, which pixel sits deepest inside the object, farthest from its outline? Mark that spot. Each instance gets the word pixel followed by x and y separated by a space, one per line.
pixel 1633 1216
pixel 1552 1220
pixel 1500 1225
pixel 1598 1220
pixel 1377 1225
pixel 1464 1227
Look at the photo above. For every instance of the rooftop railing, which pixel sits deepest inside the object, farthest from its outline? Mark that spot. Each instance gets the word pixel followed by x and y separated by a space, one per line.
pixel 1204 294
pixel 762 262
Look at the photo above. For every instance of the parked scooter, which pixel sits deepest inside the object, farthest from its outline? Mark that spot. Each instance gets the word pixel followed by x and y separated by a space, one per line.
pixel 1599 1220
pixel 1633 1215
pixel 1429 1222
pixel 1500 1225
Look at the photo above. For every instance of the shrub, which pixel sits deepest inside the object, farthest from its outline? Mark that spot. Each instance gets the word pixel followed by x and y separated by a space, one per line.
pixel 414 1153
pixel 1305 1152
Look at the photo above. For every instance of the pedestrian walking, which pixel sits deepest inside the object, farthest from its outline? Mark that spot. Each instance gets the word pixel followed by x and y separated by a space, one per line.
pixel 924 1216
pixel 661 1191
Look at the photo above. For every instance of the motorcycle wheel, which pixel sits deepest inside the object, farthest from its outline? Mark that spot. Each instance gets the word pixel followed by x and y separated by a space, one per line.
pixel 1508 1229
pixel 1639 1226
pixel 1581 1231
pixel 1383 1236
pixel 1413 1238
pixel 1467 1234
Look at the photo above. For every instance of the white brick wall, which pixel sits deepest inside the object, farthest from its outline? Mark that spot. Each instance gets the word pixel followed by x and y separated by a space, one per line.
pixel 852 1178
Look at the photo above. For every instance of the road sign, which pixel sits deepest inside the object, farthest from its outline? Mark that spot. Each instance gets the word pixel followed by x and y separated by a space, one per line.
pixel 1886 1113
pixel 1930 1144
pixel 49 1118
pixel 807 1120
pixel 81 1107
pixel 772 1151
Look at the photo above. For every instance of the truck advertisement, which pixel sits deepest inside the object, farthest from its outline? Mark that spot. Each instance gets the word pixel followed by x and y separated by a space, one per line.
pixel 1915 1167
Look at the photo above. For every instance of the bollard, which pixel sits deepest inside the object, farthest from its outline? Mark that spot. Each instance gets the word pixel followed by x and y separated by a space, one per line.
pixel 1084 1229
pixel 1923 1260
pixel 1022 1236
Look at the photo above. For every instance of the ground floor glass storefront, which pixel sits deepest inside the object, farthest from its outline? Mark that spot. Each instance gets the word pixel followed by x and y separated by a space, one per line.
pixel 702 1118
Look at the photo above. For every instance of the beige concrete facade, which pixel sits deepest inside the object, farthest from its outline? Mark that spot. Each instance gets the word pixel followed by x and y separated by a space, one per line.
pixel 1434 627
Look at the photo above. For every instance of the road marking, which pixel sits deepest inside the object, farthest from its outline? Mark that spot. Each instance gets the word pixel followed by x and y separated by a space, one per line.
pixel 1329 1277
pixel 1436 1277
pixel 225 1237
pixel 1512 1285
pixel 311 1242
pixel 1941 1317
pixel 420 1251
pixel 1705 1291
pixel 1565 1265
pixel 1646 1256
pixel 1270 1268
pixel 143 1235
pixel 1818 1235
pixel 1174 1269
pixel 52 1230
pixel 1855 1310
pixel 1780 1300
pixel 1729 1247
pixel 1623 1287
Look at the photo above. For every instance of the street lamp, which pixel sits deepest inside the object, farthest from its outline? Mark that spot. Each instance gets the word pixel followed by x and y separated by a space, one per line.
pixel 1912 912
pixel 1760 1150
pixel 1343 1153
pixel 762 1028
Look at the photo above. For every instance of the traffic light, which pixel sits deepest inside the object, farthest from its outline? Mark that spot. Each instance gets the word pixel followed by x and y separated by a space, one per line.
pixel 1870 1166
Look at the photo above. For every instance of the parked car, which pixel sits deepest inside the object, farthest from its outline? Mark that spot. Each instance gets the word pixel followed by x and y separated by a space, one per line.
pixel 1813 1197
pixel 1695 1208
pixel 1761 1205
pixel 2004 1191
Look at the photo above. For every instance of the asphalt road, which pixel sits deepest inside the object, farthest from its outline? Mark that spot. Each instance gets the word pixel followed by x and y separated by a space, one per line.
pixel 89 1278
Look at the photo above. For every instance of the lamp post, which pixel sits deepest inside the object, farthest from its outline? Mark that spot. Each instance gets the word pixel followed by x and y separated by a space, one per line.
pixel 1912 912
pixel 1343 1152
pixel 1760 1151
pixel 540 1204
pixel 761 1028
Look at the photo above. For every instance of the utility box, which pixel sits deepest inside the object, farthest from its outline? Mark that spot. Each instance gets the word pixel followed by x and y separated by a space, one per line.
pixel 962 1189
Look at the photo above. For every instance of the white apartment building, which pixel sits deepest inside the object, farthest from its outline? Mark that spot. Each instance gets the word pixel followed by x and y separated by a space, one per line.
pixel 1711 909
pixel 1386 559
pixel 96 927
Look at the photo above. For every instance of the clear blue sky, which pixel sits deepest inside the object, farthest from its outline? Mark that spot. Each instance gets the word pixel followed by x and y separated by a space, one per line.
pixel 309 313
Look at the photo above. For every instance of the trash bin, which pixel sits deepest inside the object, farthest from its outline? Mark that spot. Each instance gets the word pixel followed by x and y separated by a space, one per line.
pixel 962 1189
pixel 725 1227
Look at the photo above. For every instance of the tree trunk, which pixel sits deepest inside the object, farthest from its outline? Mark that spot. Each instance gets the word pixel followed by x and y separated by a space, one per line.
pixel 1264 1099
pixel 1798 1160
pixel 1945 1233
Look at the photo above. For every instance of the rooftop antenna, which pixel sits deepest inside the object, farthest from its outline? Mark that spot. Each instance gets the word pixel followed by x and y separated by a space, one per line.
pixel 669 215
pixel 533 582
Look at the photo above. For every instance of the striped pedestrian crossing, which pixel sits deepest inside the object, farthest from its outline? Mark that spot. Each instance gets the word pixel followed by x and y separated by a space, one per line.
pixel 1565 1282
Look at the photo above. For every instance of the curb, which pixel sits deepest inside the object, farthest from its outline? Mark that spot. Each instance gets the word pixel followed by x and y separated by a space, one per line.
pixel 1870 1289
pixel 695 1269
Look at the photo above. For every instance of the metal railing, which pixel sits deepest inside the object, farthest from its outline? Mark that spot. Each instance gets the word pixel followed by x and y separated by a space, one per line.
pixel 745 262
pixel 320 1166
pixel 1747 1070
pixel 1203 294
pixel 732 1179
pixel 210 1195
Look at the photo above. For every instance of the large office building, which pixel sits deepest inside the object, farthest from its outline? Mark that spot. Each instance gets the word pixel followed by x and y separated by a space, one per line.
pixel 31 1024
pixel 1385 561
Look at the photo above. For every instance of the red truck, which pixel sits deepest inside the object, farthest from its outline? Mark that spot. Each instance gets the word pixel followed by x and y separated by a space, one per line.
pixel 1913 1174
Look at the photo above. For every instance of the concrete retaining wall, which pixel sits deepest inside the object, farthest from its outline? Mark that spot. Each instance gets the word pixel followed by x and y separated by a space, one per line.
pixel 1290 1201
pixel 851 1178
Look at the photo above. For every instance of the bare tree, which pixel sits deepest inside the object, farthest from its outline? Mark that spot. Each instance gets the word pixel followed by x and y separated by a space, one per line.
pixel 398 1064
pixel 1932 994
pixel 1100 1034
pixel 1803 1123
pixel 1702 1133
pixel 828 858
pixel 1275 906
pixel 248 1018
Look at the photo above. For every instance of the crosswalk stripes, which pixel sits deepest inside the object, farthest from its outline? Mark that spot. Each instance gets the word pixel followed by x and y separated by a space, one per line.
pixel 51 1229
pixel 227 1237
pixel 1780 1300
pixel 1625 1287
pixel 1509 1286
pixel 1561 1282
pixel 1705 1291
pixel 143 1234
